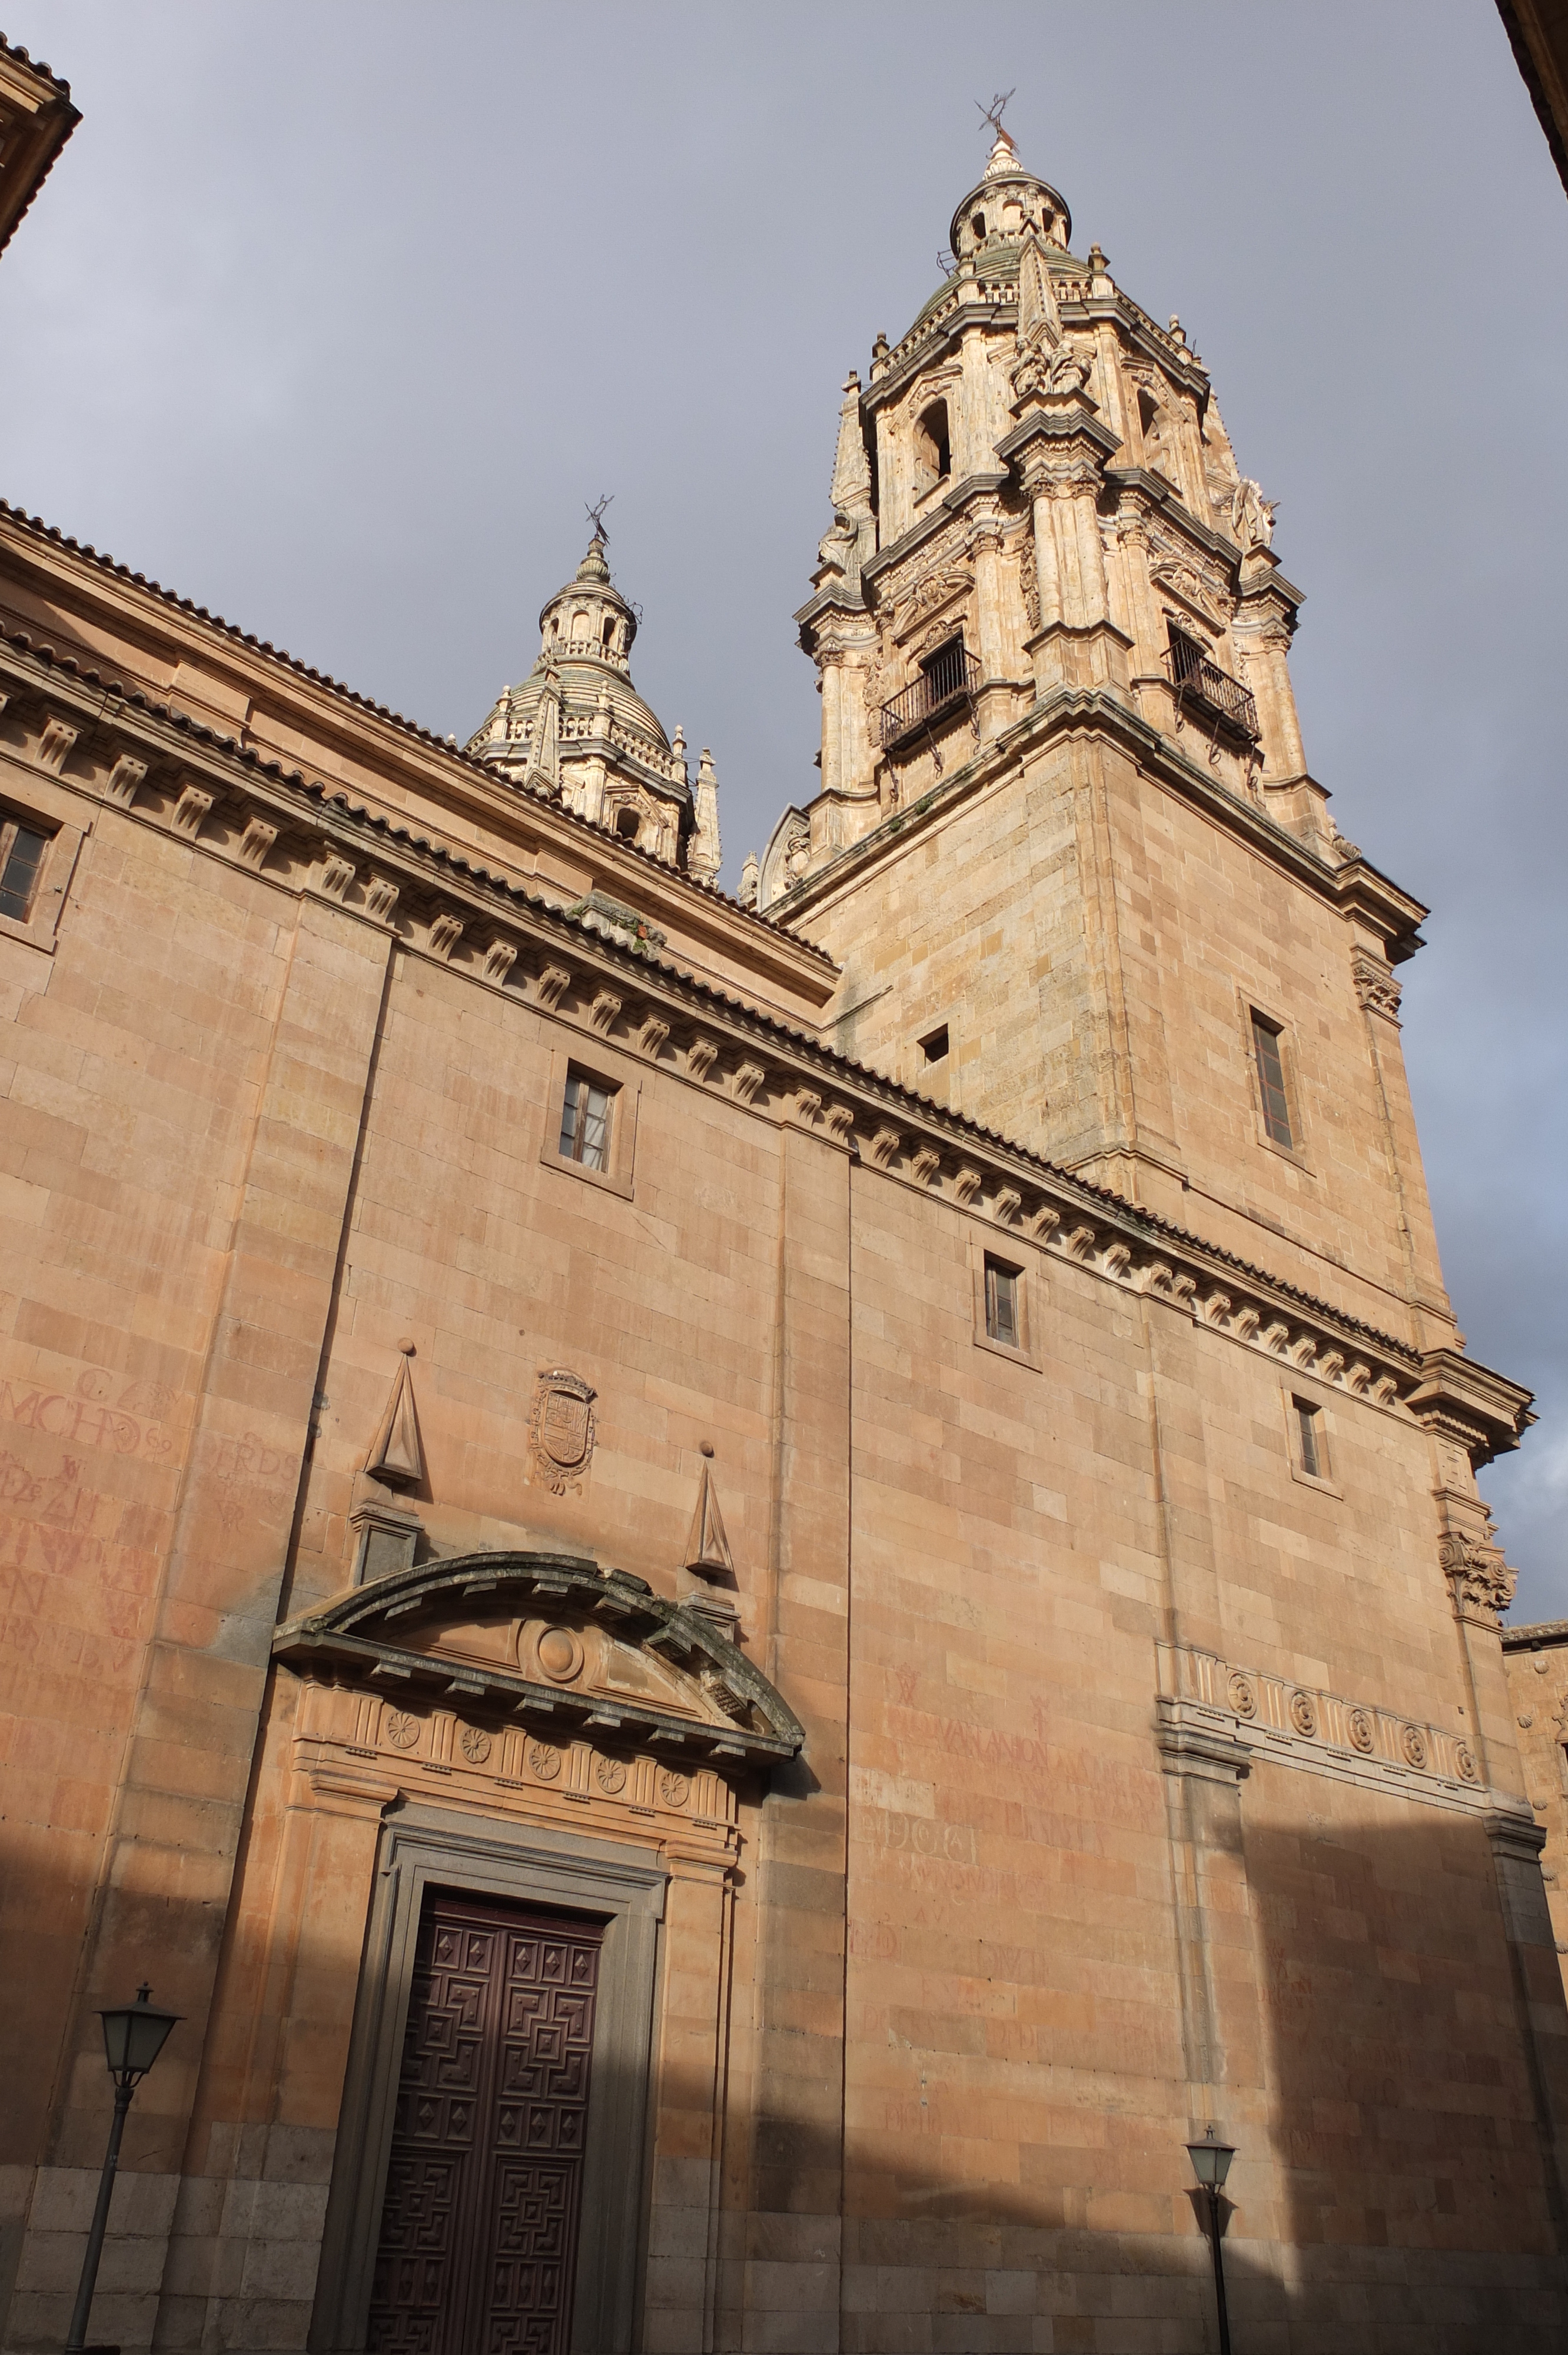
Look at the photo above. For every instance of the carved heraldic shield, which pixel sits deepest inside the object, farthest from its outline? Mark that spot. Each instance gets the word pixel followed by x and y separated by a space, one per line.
pixel 563 1431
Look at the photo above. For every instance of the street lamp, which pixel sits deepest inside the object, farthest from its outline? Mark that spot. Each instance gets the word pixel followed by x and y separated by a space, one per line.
pixel 133 2036
pixel 1211 2164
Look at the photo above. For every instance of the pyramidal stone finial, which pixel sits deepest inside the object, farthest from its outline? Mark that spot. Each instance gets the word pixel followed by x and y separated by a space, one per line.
pixel 707 1547
pixel 704 856
pixel 396 1456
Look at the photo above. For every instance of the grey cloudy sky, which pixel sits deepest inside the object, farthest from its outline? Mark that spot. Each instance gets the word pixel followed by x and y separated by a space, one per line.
pixel 332 317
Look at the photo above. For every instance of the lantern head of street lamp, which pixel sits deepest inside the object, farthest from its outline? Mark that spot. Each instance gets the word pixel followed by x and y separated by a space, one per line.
pixel 1211 2159
pixel 133 2036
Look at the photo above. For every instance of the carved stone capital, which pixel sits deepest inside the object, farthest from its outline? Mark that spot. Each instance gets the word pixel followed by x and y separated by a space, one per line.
pixel 1482 1582
pixel 1376 989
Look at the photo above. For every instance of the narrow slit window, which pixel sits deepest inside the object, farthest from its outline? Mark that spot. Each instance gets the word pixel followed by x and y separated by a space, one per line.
pixel 1001 1304
pixel 22 849
pixel 1311 1454
pixel 585 1123
pixel 1269 1056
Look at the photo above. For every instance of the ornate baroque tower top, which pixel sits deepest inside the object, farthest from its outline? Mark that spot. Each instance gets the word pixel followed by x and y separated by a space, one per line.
pixel 578 729
pixel 1035 491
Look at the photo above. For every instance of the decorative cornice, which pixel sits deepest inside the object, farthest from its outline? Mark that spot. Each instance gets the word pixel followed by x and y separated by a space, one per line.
pixel 1354 886
pixel 1484 1410
pixel 943 511
pixel 496 934
pixel 1542 1635
pixel 457 764
pixel 42 120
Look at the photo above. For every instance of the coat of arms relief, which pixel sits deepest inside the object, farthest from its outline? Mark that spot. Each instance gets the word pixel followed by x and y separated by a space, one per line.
pixel 561 1436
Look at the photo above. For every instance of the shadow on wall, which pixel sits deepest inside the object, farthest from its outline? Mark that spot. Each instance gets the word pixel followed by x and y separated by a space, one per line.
pixel 1413 2185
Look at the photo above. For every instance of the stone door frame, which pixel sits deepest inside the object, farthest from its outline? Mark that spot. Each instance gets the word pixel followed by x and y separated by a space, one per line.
pixel 424 1848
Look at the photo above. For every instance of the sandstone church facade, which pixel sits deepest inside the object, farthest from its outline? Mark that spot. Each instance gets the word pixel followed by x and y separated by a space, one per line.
pixel 744 1597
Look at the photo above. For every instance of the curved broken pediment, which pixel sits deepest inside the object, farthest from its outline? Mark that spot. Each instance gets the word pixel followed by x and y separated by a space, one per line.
pixel 550 1635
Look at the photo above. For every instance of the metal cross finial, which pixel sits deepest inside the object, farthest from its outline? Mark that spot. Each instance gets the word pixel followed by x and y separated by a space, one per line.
pixel 596 514
pixel 993 112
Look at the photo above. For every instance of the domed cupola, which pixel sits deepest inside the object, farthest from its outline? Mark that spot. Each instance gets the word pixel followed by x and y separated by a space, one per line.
pixel 578 729
pixel 1002 211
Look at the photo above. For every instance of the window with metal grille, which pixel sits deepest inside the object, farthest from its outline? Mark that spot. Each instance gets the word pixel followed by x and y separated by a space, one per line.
pixel 584 1122
pixel 22 849
pixel 1002 1302
pixel 1268 1055
pixel 1311 1454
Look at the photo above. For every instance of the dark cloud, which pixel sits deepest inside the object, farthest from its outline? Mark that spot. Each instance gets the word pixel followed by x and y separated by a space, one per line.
pixel 334 317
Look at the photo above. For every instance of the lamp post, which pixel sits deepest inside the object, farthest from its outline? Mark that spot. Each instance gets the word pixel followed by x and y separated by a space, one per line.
pixel 133 2036
pixel 1211 2164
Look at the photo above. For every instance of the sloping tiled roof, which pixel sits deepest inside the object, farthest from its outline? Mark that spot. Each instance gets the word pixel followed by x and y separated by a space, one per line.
pixel 52 533
pixel 67 117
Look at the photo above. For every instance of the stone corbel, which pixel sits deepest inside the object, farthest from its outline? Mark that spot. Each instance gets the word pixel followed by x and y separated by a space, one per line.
pixel 124 780
pixel 335 876
pixel 254 843
pixel 499 959
pixel 56 741
pixel 189 811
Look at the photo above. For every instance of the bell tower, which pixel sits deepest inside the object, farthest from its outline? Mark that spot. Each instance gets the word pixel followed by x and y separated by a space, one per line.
pixel 1066 847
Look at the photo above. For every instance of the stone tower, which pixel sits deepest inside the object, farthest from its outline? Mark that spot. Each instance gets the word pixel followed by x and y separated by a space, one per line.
pixel 1066 849
pixel 577 732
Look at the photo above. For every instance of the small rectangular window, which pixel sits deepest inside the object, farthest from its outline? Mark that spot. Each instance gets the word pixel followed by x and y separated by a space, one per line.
pixel 1311 1454
pixel 934 1046
pixel 1001 1304
pixel 1269 1056
pixel 584 1122
pixel 22 849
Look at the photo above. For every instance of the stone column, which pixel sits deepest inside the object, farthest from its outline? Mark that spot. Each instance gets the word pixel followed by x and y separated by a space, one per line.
pixel 995 690
pixel 1059 452
pixel 841 643
pixel 782 2236
pixel 1263 625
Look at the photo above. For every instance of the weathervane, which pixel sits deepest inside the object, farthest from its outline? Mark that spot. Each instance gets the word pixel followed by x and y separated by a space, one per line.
pixel 993 112
pixel 596 514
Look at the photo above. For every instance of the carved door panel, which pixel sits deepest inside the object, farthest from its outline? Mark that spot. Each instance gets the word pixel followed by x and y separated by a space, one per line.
pixel 479 2231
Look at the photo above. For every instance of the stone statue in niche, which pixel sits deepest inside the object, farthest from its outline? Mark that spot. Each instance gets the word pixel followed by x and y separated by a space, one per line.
pixel 561 1437
pixel 837 550
pixel 1252 516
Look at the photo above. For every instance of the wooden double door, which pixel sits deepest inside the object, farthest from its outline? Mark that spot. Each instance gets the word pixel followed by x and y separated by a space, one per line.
pixel 479 2231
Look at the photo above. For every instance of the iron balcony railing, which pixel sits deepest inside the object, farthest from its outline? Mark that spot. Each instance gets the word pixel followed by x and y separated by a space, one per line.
pixel 950 677
pixel 1199 681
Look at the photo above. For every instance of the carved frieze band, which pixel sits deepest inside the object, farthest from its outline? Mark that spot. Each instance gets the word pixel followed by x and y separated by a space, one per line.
pixel 1258 1717
pixel 500 1765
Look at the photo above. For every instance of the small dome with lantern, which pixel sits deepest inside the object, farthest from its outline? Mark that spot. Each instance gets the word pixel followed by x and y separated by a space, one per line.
pixel 576 729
